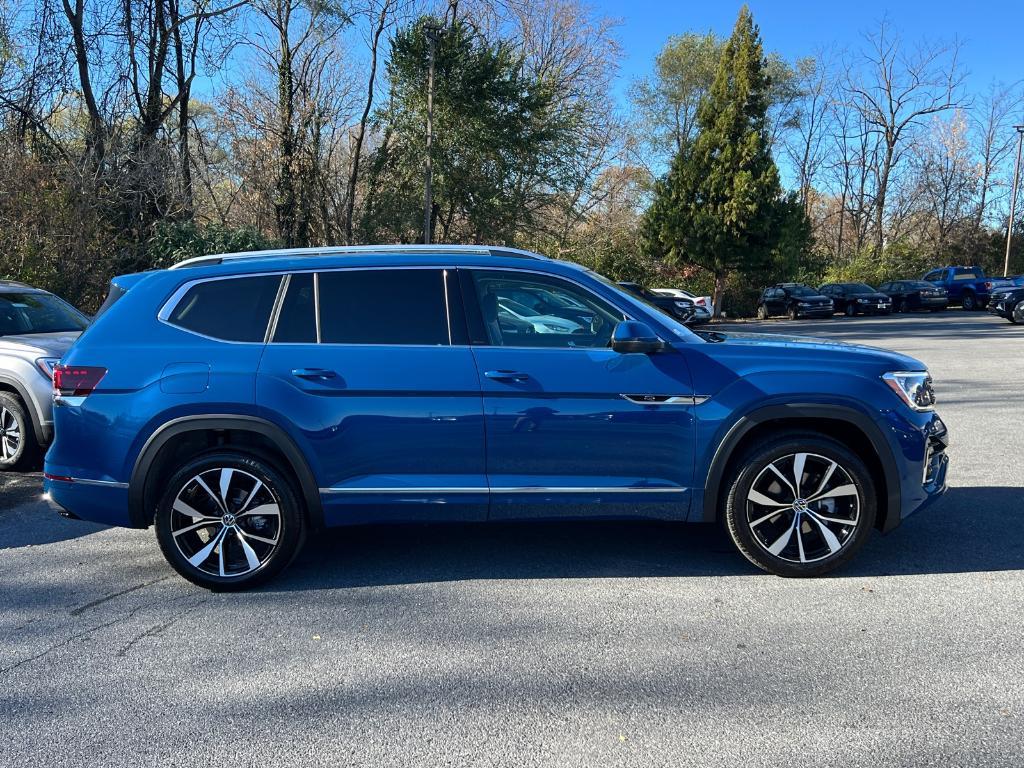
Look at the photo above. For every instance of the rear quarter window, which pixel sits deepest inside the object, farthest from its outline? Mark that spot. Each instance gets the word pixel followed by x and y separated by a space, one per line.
pixel 231 309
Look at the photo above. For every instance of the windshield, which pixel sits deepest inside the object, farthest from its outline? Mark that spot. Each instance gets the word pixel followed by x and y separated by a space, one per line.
pixel 858 287
pixel 22 313
pixel 800 290
pixel 680 330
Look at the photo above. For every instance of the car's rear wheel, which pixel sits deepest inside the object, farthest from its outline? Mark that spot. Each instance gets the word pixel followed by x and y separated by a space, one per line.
pixel 229 521
pixel 970 302
pixel 762 312
pixel 802 505
pixel 18 446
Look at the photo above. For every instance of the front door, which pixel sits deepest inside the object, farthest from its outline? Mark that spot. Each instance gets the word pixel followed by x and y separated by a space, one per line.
pixel 572 427
pixel 363 365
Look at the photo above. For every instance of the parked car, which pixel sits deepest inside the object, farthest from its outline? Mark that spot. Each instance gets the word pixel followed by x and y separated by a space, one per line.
pixel 682 309
pixel 241 403
pixel 966 286
pixel 856 299
pixel 704 306
pixel 36 329
pixel 540 323
pixel 794 300
pixel 910 295
pixel 1008 303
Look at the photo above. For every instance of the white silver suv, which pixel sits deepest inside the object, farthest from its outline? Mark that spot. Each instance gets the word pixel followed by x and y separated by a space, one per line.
pixel 36 329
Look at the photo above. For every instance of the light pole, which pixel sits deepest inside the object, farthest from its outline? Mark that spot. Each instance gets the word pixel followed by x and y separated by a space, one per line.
pixel 1013 199
pixel 432 32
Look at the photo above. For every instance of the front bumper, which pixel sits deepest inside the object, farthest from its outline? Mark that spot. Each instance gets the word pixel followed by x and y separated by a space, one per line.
pixel 1002 307
pixel 923 462
pixel 814 312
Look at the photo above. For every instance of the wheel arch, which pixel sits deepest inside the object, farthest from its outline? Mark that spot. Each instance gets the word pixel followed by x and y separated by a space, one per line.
pixel 843 423
pixel 256 436
pixel 9 384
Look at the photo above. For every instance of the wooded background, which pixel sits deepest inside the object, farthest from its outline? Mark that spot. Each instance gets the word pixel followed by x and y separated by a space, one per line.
pixel 134 133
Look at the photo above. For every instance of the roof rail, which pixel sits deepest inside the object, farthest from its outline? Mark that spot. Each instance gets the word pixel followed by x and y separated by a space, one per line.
pixel 16 284
pixel 342 250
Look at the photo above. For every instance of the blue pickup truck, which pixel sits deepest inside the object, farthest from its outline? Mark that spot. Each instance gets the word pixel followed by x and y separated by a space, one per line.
pixel 966 286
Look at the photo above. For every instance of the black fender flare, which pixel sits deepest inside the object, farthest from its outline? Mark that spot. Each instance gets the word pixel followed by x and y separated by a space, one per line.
pixel 171 429
pixel 803 411
pixel 42 437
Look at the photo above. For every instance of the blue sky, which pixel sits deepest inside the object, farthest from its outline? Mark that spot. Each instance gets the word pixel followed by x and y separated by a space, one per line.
pixel 992 33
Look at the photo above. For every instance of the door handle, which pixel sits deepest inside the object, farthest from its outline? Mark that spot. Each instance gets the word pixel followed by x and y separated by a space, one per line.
pixel 314 374
pixel 506 375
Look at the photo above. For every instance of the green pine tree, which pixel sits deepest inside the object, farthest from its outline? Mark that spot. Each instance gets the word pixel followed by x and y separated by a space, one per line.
pixel 720 206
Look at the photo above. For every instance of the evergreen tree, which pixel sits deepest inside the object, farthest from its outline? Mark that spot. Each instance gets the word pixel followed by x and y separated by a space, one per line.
pixel 721 206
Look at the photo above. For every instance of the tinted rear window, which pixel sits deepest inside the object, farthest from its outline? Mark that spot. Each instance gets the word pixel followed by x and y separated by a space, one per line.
pixel 37 313
pixel 383 306
pixel 297 322
pixel 235 309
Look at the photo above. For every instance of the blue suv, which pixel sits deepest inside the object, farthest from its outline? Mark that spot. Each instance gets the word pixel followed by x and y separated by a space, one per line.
pixel 239 403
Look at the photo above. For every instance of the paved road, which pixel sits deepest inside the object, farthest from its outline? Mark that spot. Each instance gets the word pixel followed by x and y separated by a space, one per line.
pixel 548 645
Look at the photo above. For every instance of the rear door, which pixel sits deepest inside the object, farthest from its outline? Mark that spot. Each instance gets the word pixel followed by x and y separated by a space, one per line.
pixel 381 390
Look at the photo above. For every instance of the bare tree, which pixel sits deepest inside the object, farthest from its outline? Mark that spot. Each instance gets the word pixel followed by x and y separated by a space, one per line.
pixel 893 87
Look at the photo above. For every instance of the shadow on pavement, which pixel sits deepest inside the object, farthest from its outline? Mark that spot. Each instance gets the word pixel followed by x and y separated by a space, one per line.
pixel 970 530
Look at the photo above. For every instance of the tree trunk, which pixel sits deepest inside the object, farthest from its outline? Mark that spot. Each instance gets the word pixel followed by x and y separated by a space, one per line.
pixel 719 298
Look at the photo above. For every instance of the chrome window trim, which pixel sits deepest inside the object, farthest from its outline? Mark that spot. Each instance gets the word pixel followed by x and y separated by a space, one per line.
pixel 172 301
pixel 275 310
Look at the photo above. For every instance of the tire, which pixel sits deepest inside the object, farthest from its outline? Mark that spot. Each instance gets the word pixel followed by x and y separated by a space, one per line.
pixel 190 519
pixel 850 310
pixel 762 312
pixel 792 313
pixel 1017 313
pixel 766 539
pixel 18 447
pixel 897 306
pixel 970 302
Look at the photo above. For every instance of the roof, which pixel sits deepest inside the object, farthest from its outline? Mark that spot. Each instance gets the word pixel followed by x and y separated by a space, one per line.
pixel 357 250
pixel 19 286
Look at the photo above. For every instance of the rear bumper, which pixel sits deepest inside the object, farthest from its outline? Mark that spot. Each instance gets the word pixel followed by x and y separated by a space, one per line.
pixel 99 501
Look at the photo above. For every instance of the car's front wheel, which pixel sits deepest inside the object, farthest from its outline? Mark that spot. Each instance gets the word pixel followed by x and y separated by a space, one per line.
pixel 1017 313
pixel 229 521
pixel 792 313
pixel 850 310
pixel 18 447
pixel 801 505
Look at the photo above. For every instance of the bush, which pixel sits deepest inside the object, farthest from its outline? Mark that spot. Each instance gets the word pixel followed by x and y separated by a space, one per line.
pixel 177 241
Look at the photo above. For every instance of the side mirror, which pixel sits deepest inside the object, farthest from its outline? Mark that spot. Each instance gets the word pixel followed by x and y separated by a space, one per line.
pixel 633 336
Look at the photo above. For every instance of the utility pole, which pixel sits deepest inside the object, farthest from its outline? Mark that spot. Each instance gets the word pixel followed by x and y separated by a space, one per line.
pixel 432 33
pixel 1013 199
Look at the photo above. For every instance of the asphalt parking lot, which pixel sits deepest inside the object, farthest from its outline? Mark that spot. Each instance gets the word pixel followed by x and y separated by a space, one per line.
pixel 553 645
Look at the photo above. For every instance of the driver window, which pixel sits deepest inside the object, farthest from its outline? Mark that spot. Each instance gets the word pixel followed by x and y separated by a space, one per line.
pixel 528 310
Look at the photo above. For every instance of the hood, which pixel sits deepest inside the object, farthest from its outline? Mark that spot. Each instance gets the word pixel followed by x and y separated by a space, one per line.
pixel 43 344
pixel 787 351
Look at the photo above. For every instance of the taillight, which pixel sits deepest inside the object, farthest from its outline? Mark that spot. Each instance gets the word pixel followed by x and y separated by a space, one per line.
pixel 76 380
pixel 701 302
pixel 988 285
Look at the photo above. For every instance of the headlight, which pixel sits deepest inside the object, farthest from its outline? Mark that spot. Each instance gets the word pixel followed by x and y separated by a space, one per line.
pixel 913 387
pixel 682 304
pixel 862 301
pixel 803 303
pixel 45 366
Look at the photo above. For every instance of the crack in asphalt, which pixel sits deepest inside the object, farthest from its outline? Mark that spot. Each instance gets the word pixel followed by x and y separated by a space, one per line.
pixel 79 610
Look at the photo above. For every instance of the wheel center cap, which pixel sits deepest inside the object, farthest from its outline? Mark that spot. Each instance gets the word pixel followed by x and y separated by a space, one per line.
pixel 228 519
pixel 800 505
